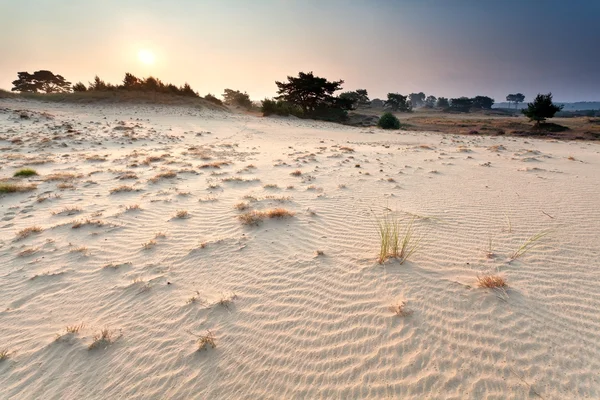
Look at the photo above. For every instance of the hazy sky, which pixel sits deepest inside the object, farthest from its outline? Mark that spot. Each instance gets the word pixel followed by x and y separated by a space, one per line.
pixel 442 47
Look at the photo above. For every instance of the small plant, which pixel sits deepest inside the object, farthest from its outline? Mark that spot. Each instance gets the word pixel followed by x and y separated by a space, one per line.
pixel 296 173
pixel 102 339
pixel 4 355
pixel 227 301
pixel 395 243
pixel 67 211
pixel 400 309
pixel 24 233
pixel 271 186
pixel 133 207
pixel 150 244
pixel 389 121
pixel 204 341
pixel 491 281
pixel 122 188
pixel 529 244
pixel 74 328
pixel 25 172
pixel 242 206
pixel 251 218
pixel 163 175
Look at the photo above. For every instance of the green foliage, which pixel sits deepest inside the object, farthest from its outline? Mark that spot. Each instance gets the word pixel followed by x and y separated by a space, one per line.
pixel 461 104
pixel 213 99
pixel 515 98
pixel 541 109
pixel 417 99
pixel 237 98
pixel 389 121
pixel 430 101
pixel 279 107
pixel 25 172
pixel 40 81
pixel 133 83
pixel 356 99
pixel 482 102
pixel 397 102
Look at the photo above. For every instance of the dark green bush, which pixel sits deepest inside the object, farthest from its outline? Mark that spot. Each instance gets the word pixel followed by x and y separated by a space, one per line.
pixel 279 107
pixel 389 121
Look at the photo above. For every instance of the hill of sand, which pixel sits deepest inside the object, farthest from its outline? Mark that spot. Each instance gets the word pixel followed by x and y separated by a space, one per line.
pixel 136 224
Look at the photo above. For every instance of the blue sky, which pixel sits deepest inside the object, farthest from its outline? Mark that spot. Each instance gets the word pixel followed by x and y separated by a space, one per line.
pixel 442 47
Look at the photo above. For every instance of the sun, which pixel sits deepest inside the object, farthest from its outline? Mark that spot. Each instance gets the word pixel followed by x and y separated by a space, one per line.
pixel 146 57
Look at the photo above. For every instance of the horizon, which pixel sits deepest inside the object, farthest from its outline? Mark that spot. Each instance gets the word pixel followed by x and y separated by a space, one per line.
pixel 466 48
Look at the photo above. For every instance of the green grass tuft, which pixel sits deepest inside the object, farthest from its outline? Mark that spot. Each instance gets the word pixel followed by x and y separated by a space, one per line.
pixel 25 172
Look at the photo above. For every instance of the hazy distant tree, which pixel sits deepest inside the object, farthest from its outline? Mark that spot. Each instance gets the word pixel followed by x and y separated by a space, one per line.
pixel 79 87
pixel 377 103
pixel 309 92
pixel 98 84
pixel 131 82
pixel 351 97
pixel 430 101
pixel 417 99
pixel 186 90
pixel 461 104
pixel 237 98
pixel 363 97
pixel 358 98
pixel 515 98
pixel 442 102
pixel 541 108
pixel 397 102
pixel 483 102
pixel 40 81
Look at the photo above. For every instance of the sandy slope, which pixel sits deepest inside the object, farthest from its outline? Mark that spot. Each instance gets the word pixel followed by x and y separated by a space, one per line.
pixel 294 324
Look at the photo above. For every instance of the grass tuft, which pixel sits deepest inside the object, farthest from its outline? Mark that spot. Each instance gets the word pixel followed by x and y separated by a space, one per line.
pixel 400 309
pixel 491 281
pixel 395 242
pixel 7 187
pixel 204 341
pixel 102 339
pixel 529 244
pixel 24 233
pixel 25 172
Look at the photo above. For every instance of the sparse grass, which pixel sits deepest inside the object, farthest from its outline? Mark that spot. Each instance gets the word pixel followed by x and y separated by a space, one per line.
pixel 74 328
pixel 160 235
pixel 215 164
pixel 241 206
pixel 61 176
pixel 127 175
pixel 65 185
pixel 81 249
pixel 296 173
pixel 181 214
pixel 28 252
pixel 529 244
pixel 67 211
pixel 7 187
pixel 239 179
pixel 271 186
pixel 25 233
pixel 400 309
pixel 255 217
pixel 204 341
pixel 227 301
pixel 133 207
pixel 395 242
pixel 150 244
pixel 347 149
pixel 163 175
pixel 79 224
pixel 25 172
pixel 491 281
pixel 122 188
pixel 320 253
pixel 102 339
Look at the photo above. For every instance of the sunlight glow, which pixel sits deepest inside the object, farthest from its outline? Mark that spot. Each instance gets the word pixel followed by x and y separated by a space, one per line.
pixel 146 57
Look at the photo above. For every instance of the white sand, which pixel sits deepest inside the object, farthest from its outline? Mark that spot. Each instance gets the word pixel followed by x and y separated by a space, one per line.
pixel 298 325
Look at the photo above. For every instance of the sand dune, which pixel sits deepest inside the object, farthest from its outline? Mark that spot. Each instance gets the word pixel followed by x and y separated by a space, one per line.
pixel 139 233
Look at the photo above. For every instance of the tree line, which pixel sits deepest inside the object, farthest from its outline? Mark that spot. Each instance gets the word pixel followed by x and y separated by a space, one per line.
pixel 306 96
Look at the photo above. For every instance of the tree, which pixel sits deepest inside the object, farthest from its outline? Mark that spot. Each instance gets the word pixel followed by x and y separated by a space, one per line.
pixel 131 82
pixel 417 99
pixel 186 90
pixel 430 101
pixel 363 97
pixel 442 102
pixel 515 98
pixel 541 109
pixel 98 84
pixel 237 98
pixel 483 102
pixel 377 103
pixel 44 81
pixel 357 98
pixel 397 102
pixel 461 104
pixel 79 87
pixel 213 99
pixel 307 91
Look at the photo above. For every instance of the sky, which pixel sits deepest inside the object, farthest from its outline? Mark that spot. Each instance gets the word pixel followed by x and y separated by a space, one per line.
pixel 447 48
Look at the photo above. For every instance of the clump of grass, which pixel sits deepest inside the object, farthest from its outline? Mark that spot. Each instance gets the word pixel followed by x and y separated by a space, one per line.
pixel 7 187
pixel 81 249
pixel 271 186
pixel 67 211
pixel 242 206
pixel 529 244
pixel 255 217
pixel 347 149
pixel 102 339
pixel 320 253
pixel 491 281
pixel 79 224
pixel 278 213
pixel 4 355
pixel 296 173
pixel 215 164
pixel 149 244
pixel 227 301
pixel 395 242
pixel 181 214
pixel 74 328
pixel 400 309
pixel 205 341
pixel 122 188
pixel 160 235
pixel 25 172
pixel 163 175
pixel 61 176
pixel 133 207
pixel 24 233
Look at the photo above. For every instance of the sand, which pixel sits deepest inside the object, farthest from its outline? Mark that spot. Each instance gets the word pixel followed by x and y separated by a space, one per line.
pixel 298 307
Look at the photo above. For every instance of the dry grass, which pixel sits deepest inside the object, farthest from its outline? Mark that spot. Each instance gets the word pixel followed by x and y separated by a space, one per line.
pixel 400 309
pixel 296 173
pixel 7 187
pixel 227 301
pixel 163 175
pixel 529 244
pixel 95 222
pixel 102 339
pixel 241 206
pixel 150 244
pixel 4 355
pixel 133 207
pixel 74 328
pixel 347 149
pixel 25 172
pixel 127 175
pixel 25 233
pixel 160 235
pixel 81 249
pixel 395 242
pixel 61 177
pixel 67 211
pixel 65 185
pixel 491 281
pixel 122 188
pixel 204 341
pixel 215 164
pixel 181 214
pixel 255 217
pixel 271 186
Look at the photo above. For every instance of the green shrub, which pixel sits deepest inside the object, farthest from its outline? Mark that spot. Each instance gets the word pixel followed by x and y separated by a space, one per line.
pixel 279 107
pixel 389 121
pixel 25 172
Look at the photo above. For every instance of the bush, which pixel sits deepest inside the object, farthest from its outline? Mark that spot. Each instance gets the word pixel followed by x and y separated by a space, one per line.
pixel 213 99
pixel 279 107
pixel 388 121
